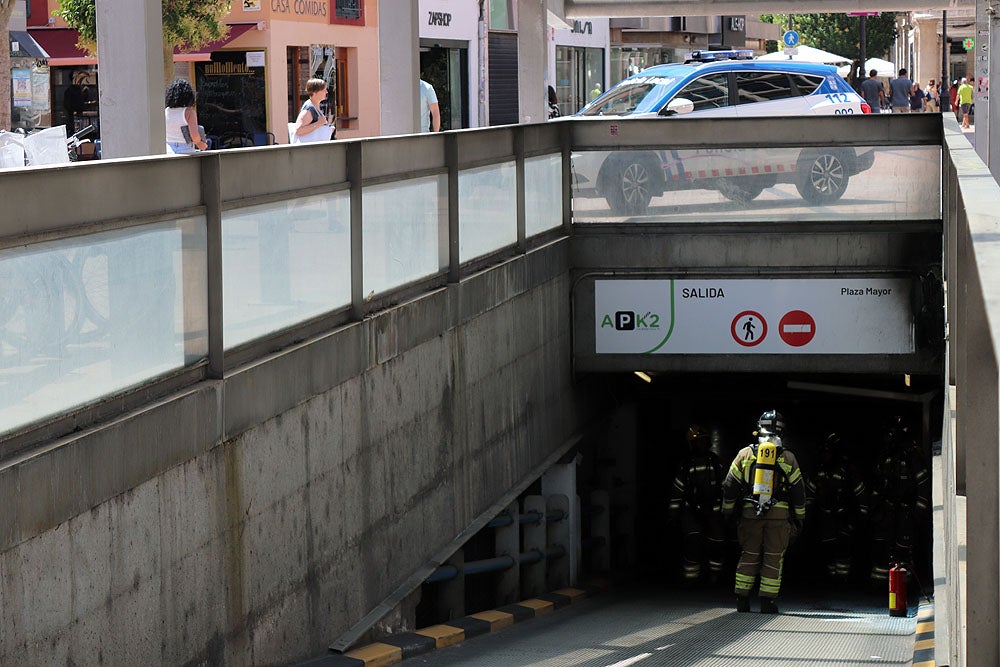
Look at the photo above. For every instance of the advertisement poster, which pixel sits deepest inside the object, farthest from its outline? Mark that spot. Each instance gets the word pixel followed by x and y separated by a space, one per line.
pixel 754 316
pixel 21 87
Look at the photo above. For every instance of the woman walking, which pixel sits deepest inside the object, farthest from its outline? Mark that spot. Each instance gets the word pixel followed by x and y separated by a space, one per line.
pixel 183 133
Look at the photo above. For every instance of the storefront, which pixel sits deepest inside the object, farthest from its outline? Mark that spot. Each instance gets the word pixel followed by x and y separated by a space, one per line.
pixel 447 29
pixel 578 61
pixel 72 80
pixel 255 84
pixel 29 75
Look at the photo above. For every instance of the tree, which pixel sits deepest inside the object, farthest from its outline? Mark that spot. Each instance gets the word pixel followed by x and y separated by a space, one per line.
pixel 187 24
pixel 6 11
pixel 840 34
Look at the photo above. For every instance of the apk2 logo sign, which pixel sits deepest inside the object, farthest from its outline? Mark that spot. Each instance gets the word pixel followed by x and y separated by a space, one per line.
pixel 629 320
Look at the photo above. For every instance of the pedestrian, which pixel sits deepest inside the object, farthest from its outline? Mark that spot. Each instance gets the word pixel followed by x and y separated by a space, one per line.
pixel 430 110
pixel 553 102
pixel 899 93
pixel 595 92
pixel 965 101
pixel 873 92
pixel 953 98
pixel 184 135
pixel 311 125
pixel 696 503
pixel 931 97
pixel 766 481
pixel 916 99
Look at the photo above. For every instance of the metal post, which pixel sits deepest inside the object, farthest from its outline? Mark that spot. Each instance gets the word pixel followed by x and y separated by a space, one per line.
pixel 454 254
pixel 519 181
pixel 945 96
pixel 863 21
pixel 557 533
pixel 508 543
pixel 355 174
pixel 533 575
pixel 211 194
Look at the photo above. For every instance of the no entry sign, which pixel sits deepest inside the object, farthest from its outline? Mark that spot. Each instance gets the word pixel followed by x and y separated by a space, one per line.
pixel 797 328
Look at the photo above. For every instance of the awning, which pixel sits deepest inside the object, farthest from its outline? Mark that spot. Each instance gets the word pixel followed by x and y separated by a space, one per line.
pixel 204 53
pixel 26 46
pixel 60 44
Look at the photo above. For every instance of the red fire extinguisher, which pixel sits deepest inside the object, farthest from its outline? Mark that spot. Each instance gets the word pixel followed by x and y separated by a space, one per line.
pixel 897 590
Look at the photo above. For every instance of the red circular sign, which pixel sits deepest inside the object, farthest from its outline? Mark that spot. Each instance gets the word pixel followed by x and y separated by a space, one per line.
pixel 745 328
pixel 797 328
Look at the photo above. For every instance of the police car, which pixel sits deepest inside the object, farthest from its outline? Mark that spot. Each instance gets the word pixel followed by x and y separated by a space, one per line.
pixel 717 84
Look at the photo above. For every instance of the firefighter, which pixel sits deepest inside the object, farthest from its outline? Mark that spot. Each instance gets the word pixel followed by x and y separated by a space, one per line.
pixel 900 496
pixel 767 479
pixel 696 501
pixel 835 500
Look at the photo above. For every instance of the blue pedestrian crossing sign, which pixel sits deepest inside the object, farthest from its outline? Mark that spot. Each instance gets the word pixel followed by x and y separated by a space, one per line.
pixel 790 38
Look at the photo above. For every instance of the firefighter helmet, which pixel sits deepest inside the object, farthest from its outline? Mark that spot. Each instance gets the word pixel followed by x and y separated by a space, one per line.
pixel 771 423
pixel 697 437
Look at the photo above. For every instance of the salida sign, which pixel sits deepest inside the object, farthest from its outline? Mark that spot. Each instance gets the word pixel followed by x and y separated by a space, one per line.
pixel 300 7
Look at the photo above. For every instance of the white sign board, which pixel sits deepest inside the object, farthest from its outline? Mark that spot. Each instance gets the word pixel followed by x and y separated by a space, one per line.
pixel 754 316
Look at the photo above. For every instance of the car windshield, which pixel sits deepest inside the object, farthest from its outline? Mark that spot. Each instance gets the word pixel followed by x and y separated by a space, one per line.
pixel 636 95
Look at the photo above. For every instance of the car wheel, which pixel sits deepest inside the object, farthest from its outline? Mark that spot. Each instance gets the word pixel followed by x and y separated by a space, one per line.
pixel 822 177
pixel 630 185
pixel 740 190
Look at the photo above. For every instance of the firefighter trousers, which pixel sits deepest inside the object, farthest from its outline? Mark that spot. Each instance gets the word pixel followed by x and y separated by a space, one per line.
pixel 763 540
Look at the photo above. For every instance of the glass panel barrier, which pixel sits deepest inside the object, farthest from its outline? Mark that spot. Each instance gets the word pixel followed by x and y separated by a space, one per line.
pixel 542 193
pixel 285 262
pixel 86 317
pixel 487 218
pixel 748 185
pixel 405 232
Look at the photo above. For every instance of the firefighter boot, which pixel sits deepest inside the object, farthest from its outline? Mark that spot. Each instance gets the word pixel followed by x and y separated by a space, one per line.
pixel 768 606
pixel 742 603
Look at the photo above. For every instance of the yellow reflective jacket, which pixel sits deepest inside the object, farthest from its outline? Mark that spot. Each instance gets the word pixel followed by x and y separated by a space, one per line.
pixel 789 494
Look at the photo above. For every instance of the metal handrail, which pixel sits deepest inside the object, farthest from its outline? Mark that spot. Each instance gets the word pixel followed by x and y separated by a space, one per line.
pixel 496 564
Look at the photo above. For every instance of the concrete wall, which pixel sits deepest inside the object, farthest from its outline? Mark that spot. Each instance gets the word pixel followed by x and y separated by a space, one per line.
pixel 255 519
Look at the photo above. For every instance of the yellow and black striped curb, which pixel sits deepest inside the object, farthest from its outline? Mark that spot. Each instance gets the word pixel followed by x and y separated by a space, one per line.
pixel 396 648
pixel 923 638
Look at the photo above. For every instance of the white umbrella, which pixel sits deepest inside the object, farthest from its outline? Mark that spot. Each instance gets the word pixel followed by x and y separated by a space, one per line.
pixel 807 54
pixel 883 67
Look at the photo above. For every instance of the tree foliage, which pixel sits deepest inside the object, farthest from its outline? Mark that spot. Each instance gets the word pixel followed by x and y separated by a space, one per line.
pixel 841 34
pixel 187 24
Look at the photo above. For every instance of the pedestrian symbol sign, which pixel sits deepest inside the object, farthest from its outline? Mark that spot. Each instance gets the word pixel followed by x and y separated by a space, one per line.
pixel 790 38
pixel 749 328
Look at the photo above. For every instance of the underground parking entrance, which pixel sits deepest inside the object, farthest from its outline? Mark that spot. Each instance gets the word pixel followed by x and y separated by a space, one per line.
pixel 863 444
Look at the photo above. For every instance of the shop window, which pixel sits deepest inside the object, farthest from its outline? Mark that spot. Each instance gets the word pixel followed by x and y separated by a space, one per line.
pixel 348 12
pixel 327 62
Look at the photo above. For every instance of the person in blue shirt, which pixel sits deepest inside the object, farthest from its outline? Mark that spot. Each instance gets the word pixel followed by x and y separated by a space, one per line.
pixel 899 93
pixel 430 111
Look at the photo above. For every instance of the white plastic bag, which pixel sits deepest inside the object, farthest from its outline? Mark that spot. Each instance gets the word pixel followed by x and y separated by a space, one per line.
pixel 321 133
pixel 11 150
pixel 47 146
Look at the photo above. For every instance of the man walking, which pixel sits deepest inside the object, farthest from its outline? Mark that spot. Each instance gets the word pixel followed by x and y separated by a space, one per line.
pixel 873 92
pixel 899 93
pixel 965 101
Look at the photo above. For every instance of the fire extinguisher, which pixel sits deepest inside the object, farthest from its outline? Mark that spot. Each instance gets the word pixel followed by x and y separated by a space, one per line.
pixel 897 590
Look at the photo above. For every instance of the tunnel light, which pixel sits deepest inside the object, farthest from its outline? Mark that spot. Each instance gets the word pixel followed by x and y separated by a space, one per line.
pixel 906 379
pixel 643 376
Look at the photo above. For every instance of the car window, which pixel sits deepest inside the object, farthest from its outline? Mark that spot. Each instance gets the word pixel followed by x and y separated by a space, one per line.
pixel 636 95
pixel 707 92
pixel 762 87
pixel 805 84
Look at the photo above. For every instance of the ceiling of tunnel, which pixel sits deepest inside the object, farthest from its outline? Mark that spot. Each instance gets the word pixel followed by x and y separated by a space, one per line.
pixel 631 8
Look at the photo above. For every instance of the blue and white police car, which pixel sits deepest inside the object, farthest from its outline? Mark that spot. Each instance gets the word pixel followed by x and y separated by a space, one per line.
pixel 714 84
